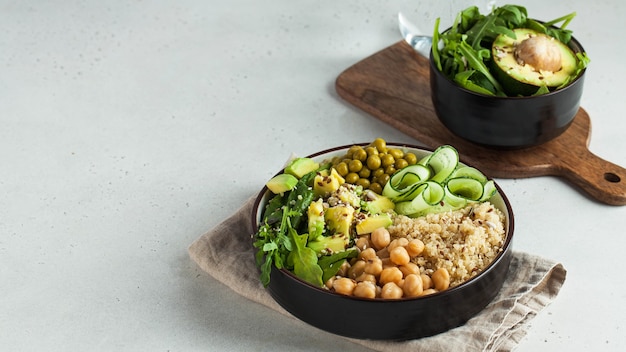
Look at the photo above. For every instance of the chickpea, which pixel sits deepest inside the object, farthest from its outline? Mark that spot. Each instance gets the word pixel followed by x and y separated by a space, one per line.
pixel 365 289
pixel 409 268
pixel 356 269
pixel 380 238
pixel 427 282
pixel 412 286
pixel 441 279
pixel 366 277
pixel 399 256
pixel 363 242
pixel 343 269
pixel 329 282
pixel 344 286
pixel 367 254
pixel 391 291
pixel 390 274
pixel 373 266
pixel 387 263
pixel 429 291
pixel 398 242
pixel 383 253
pixel 415 247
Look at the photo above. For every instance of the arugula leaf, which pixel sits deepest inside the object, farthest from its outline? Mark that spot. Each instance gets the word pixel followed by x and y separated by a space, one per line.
pixel 331 264
pixel 304 259
pixel 475 61
pixel 465 79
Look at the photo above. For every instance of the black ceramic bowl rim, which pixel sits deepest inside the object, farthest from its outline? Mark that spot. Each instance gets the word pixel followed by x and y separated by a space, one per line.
pixel 573 44
pixel 504 254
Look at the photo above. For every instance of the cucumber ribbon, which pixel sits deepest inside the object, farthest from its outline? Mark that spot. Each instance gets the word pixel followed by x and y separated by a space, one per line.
pixel 437 183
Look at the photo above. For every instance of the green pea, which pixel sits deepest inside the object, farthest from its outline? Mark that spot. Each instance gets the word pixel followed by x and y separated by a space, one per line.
pixel 401 164
pixel 380 145
pixel 378 172
pixel 351 150
pixel 383 179
pixel 371 150
pixel 387 160
pixel 360 154
pixel 355 165
pixel 396 153
pixel 365 183
pixel 352 177
pixel 376 188
pixel 373 162
pixel 410 158
pixel 342 168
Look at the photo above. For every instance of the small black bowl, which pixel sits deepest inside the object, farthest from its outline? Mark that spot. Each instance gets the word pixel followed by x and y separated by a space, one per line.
pixel 381 319
pixel 505 122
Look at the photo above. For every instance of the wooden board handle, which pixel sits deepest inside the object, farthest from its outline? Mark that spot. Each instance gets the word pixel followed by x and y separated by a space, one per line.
pixel 600 178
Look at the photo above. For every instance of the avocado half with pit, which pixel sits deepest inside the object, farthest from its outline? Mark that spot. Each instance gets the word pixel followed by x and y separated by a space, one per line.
pixel 530 61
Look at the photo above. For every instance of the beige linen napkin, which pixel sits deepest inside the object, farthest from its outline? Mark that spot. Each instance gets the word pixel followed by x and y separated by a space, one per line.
pixel 226 253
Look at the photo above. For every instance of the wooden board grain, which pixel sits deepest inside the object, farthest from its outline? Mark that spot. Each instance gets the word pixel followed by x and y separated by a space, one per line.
pixel 393 85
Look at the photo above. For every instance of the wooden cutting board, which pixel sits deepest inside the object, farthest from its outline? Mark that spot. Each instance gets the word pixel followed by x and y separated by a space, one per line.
pixel 393 85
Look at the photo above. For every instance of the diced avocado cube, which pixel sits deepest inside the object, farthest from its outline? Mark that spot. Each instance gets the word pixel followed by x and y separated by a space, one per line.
pixel 316 224
pixel 326 184
pixel 339 219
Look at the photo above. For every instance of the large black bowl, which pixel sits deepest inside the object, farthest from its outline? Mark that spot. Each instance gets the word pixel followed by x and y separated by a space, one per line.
pixel 381 319
pixel 505 122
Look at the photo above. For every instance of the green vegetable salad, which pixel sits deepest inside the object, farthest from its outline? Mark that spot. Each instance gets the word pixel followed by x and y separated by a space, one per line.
pixel 313 216
pixel 464 52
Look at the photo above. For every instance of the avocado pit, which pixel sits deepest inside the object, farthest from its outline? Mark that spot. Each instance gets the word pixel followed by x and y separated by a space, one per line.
pixel 539 51
pixel 530 61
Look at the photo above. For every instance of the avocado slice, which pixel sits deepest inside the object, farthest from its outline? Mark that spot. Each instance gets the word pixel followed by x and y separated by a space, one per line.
pixel 282 183
pixel 373 222
pixel 301 166
pixel 531 61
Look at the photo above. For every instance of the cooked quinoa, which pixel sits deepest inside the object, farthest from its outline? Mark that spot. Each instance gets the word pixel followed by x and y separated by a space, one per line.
pixel 464 242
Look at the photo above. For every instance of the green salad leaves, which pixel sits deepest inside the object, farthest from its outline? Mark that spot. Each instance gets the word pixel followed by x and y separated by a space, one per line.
pixel 282 237
pixel 463 52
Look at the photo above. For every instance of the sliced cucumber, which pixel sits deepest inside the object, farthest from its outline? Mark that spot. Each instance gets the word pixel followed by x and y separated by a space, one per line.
pixel 443 161
pixel 437 183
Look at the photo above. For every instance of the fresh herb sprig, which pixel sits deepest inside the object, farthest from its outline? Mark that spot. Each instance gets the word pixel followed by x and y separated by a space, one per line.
pixel 275 239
